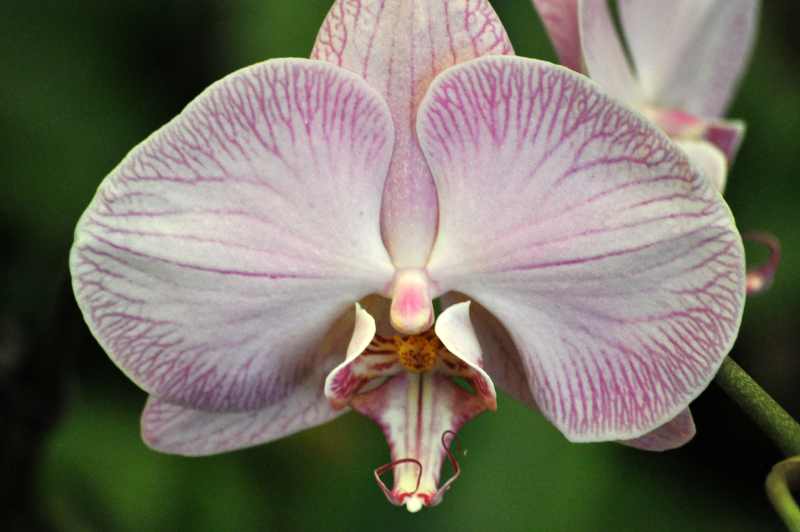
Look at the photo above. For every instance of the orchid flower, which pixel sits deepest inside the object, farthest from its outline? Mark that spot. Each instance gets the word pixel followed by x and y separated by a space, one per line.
pixel 269 257
pixel 687 57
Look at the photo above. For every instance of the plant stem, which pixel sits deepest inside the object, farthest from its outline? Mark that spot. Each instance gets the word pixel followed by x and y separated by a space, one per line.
pixel 781 428
pixel 780 481
pixel 771 418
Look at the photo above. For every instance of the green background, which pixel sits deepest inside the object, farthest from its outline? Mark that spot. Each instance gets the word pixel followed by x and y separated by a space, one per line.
pixel 84 81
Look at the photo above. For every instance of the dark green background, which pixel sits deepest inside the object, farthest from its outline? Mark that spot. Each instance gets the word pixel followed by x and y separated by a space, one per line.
pixel 82 82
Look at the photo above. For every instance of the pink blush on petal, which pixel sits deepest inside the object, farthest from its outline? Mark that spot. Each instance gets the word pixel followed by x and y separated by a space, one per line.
pixel 412 309
pixel 410 302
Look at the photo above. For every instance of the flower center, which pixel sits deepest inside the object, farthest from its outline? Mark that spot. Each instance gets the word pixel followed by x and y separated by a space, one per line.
pixel 411 311
pixel 417 353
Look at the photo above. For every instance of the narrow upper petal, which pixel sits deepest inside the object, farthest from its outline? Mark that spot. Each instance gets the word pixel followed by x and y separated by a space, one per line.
pixel 214 259
pixel 616 268
pixel 399 47
pixel 690 54
pixel 675 433
pixel 603 54
pixel 560 19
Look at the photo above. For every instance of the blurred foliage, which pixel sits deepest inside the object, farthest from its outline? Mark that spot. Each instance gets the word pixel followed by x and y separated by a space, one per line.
pixel 85 81
pixel 519 475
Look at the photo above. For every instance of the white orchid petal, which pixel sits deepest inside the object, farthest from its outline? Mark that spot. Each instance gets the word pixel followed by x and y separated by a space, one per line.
pixel 176 429
pixel 603 54
pixel 708 159
pixel 560 19
pixel 217 255
pixel 617 271
pixel 675 433
pixel 399 47
pixel 690 54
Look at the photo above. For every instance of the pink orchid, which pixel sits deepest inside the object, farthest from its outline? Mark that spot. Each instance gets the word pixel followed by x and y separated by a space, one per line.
pixel 219 264
pixel 687 55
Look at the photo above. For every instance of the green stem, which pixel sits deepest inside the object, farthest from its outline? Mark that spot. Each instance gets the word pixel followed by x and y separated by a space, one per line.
pixel 780 481
pixel 781 428
pixel 767 414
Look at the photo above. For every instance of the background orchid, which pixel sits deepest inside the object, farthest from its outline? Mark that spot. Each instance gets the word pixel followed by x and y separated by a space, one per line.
pixel 686 57
pixel 94 471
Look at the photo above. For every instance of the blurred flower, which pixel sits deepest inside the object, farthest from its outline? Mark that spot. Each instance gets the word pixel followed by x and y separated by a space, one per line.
pixel 687 57
pixel 219 263
pixel 761 277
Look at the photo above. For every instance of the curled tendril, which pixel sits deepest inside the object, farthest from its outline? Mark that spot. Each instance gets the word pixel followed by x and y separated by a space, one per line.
pixel 760 278
pixel 785 477
pixel 437 497
pixel 391 465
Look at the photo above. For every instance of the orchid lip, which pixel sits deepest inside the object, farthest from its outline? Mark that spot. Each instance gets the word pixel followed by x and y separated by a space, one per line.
pixel 398 498
pixel 414 500
pixel 407 385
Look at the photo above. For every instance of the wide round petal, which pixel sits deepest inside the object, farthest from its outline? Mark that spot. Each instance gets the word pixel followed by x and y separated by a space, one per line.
pixel 603 54
pixel 690 54
pixel 560 19
pixel 218 254
pixel 615 267
pixel 399 47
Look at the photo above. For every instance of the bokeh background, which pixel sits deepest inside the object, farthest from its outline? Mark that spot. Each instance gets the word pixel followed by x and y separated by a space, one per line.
pixel 84 81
